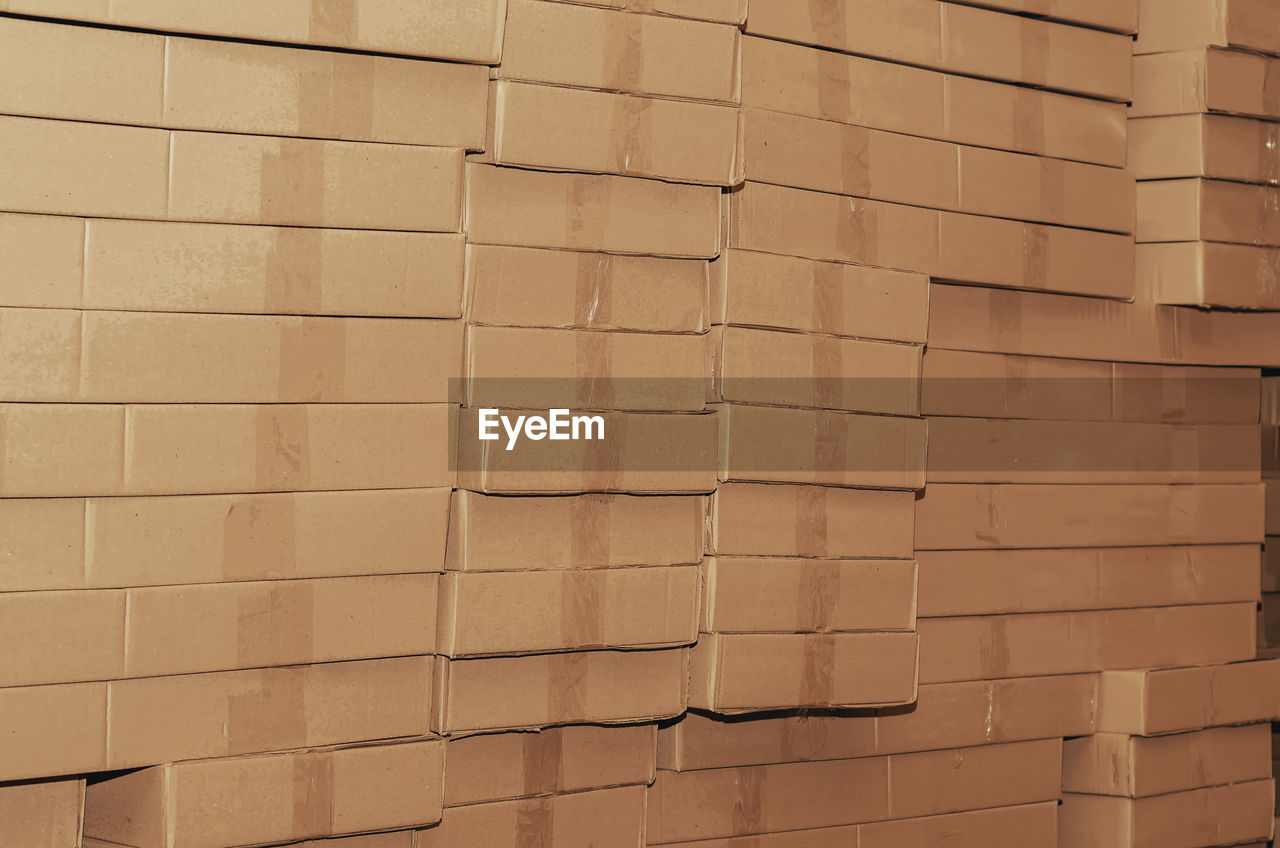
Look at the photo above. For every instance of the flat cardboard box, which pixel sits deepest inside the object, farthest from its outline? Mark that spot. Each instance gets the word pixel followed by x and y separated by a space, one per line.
pixel 488 533
pixel 555 761
pixel 460 30
pixel 1223 147
pixel 898 98
pixel 1209 210
pixel 1061 579
pixel 970 713
pixel 787 293
pixel 1191 82
pixel 688 806
pixel 653 453
pixel 1184 24
pixel 776 595
pixel 1137 767
pixel 270 798
pixel 590 687
pixel 1114 15
pixel 603 817
pixel 595 212
pixel 749 672
pixel 1147 702
pixel 766 367
pixel 527 612
pixel 961 39
pixel 1220 815
pixel 615 50
pixel 761 444
pixel 185 267
pixel 749 519
pixel 1234 276
pixel 983 647
pixel 1001 450
pixel 537 368
pixel 1190 395
pixel 723 11
pixel 527 287
pixel 42 814
pixel 566 129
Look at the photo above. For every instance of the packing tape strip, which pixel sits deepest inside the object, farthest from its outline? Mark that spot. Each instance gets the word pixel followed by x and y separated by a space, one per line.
pixel 1004 310
pixel 4 445
pixel 587 201
pixel 1269 155
pixel 535 823
pixel 818 595
pixel 593 298
pixel 292 181
pixel 1268 275
pixel 860 231
pixel 268 712
pixel 994 649
pixel 817 672
pixel 337 100
pixel 282 445
pixel 567 686
pixel 749 809
pixel 1029 121
pixel 1053 191
pixel 313 794
pixel 855 161
pixel 1035 255
pixel 313 360
pixel 275 624
pixel 260 537
pixel 582 601
pixel 811 521
pixel 1035 47
pixel 589 523
pixel 1267 216
pixel 294 271
pixel 632 121
pixel 828 20
pixel 333 22
pixel 1169 335
pixel 830 446
pixel 603 458
pixel 826 355
pixel 827 315
pixel 1017 385
pixel 593 369
pixel 835 89
pixel 542 758
pixel 623 56
pixel 1271 88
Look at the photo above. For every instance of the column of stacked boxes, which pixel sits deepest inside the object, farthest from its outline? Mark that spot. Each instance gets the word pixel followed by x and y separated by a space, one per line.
pixel 225 499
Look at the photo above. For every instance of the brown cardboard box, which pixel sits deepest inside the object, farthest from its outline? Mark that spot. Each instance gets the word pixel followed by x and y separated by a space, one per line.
pixel 1208 210
pixel 566 129
pixel 524 287
pixel 766 290
pixel 1152 701
pixel 775 595
pixel 724 11
pixel 555 761
pixel 270 798
pixel 1137 767
pixel 775 798
pixel 898 98
pixel 1191 82
pixel 596 687
pixel 462 30
pixel 1181 24
pixel 617 51
pixel 747 519
pixel 1116 15
pixel 1001 450
pixel 1221 147
pixel 490 533
pixel 1209 274
pixel 604 817
pixel 1011 581
pixel 1220 815
pixel 523 368
pixel 820 447
pixel 814 371
pixel 659 453
pixel 1190 395
pixel 970 713
pixel 982 647
pixel 591 211
pixel 962 39
pixel 749 672
pixel 526 612
pixel 964 517
pixel 43 814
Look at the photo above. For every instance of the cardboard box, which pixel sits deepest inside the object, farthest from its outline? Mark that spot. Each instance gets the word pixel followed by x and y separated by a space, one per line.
pixel 461 30
pixel 1220 815
pixel 270 798
pixel 787 293
pixel 566 129
pixel 963 39
pixel 1190 82
pixel 595 212
pixel 1197 273
pixel 593 687
pixel 775 595
pixel 974 517
pixel 1183 24
pixel 522 368
pixel 1011 581
pixel 749 672
pixel 603 817
pixel 183 267
pixel 777 798
pixel 1065 643
pixel 659 453
pixel 747 519
pixel 524 287
pixel 1137 767
pixel 488 533
pixel 820 447
pixel 53 730
pixel 527 612
pixel 1209 210
pixel 613 50
pixel 996 450
pixel 1146 702
pixel 864 92
pixel 43 814
pixel 724 11
pixel 1121 16
pixel 1220 147
pixel 555 761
